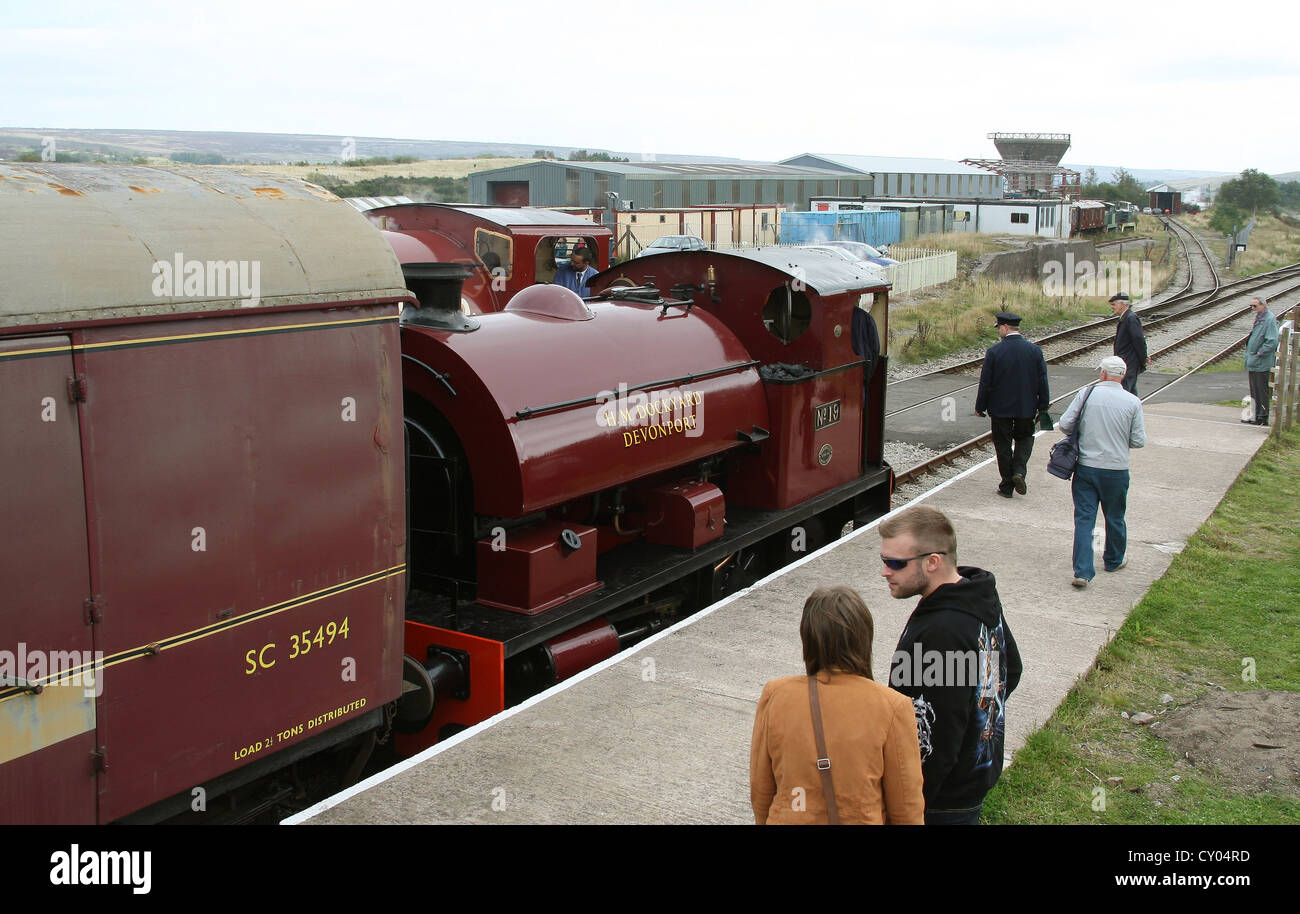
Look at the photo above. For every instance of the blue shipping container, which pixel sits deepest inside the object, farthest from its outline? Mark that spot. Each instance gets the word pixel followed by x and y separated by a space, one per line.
pixel 871 227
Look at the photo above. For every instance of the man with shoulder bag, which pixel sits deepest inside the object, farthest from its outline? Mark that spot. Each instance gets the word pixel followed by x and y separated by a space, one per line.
pixel 1109 422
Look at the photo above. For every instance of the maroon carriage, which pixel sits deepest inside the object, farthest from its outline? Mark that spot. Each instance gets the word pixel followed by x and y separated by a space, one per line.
pixel 203 547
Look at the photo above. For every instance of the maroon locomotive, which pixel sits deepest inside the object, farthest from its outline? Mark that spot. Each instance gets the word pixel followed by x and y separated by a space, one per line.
pixel 266 573
pixel 597 469
pixel 507 249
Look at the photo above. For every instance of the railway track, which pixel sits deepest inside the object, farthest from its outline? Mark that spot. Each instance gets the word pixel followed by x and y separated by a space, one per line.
pixel 1194 328
pixel 1188 314
pixel 1230 328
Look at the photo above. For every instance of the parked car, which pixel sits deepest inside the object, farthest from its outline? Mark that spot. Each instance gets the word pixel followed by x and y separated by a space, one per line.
pixel 862 251
pixel 669 243
pixel 832 251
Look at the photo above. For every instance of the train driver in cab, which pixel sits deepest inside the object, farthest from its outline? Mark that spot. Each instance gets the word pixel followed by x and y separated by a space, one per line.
pixel 575 274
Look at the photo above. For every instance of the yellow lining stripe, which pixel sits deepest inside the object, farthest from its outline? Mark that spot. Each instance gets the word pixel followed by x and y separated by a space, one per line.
pixel 212 334
pixel 206 631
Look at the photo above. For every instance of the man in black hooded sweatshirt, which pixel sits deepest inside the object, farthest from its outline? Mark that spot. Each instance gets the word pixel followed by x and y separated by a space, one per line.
pixel 956 660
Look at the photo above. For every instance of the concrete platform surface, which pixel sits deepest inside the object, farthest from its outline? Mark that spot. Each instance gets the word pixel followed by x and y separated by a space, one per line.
pixel 661 733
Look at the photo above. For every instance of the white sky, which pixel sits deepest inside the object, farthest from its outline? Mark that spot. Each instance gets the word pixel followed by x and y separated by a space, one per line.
pixel 1207 86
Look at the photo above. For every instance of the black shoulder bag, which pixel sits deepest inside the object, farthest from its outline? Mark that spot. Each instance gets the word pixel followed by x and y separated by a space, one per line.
pixel 1065 453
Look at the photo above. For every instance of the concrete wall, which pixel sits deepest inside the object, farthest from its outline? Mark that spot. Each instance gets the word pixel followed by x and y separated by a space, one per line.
pixel 1030 263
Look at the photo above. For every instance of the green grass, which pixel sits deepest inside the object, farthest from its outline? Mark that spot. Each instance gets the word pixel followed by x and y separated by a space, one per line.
pixel 1273 243
pixel 1232 363
pixel 1231 594
pixel 962 313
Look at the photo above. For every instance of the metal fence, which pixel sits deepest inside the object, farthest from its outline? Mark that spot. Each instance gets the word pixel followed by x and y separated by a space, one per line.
pixel 1286 377
pixel 919 268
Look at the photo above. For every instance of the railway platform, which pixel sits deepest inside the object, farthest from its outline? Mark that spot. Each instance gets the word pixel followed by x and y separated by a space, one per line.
pixel 661 733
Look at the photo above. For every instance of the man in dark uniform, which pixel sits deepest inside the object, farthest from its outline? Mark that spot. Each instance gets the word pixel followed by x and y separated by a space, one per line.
pixel 1130 344
pixel 1013 389
pixel 866 343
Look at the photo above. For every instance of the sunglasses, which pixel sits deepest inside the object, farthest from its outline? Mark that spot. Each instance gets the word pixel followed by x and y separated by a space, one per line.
pixel 900 564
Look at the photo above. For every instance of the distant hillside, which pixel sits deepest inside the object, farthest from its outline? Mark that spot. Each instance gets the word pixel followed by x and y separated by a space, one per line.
pixel 1182 180
pixel 1150 176
pixel 276 148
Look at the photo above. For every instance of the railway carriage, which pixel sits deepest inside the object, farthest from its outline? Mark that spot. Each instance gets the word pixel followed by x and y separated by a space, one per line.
pixel 202 488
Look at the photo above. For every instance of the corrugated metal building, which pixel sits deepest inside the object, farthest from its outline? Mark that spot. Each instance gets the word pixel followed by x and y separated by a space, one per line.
pixel 909 177
pixel 660 185
pixel 1166 199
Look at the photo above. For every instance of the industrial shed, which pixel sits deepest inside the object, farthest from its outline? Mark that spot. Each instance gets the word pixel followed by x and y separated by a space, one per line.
pixel 660 185
pixel 909 177
pixel 1165 199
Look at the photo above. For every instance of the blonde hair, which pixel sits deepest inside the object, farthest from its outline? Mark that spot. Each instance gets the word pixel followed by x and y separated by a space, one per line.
pixel 931 530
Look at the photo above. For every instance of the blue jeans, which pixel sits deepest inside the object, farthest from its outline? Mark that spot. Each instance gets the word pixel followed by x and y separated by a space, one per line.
pixel 1109 488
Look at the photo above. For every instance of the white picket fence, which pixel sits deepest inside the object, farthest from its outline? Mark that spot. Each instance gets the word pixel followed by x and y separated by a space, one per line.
pixel 919 268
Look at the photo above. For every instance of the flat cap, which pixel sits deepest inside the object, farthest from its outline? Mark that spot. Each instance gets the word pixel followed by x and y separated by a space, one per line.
pixel 1006 317
pixel 1122 296
pixel 1113 365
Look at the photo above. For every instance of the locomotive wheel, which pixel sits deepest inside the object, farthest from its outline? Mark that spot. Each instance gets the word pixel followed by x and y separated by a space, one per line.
pixel 439 500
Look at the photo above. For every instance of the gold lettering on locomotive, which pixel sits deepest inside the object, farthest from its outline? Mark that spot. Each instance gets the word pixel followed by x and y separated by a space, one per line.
pixel 671 426
pixel 662 410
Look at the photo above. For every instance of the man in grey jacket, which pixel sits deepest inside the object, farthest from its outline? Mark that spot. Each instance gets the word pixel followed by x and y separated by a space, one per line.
pixel 1261 356
pixel 1110 424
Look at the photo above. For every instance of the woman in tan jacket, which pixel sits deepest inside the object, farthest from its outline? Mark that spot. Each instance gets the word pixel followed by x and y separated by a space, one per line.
pixel 869 729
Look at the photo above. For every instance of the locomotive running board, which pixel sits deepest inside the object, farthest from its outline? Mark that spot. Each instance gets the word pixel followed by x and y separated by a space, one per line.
pixel 637 569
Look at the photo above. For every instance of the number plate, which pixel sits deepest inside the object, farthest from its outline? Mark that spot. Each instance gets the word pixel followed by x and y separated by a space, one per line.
pixel 826 414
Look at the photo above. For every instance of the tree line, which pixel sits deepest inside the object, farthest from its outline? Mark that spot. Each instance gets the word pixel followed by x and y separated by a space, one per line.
pixel 1242 198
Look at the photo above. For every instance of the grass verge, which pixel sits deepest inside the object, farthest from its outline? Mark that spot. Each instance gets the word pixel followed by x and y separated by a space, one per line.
pixel 961 313
pixel 1230 595
pixel 1272 244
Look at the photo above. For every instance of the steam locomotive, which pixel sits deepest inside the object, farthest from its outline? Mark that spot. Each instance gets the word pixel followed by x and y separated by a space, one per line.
pixel 280 502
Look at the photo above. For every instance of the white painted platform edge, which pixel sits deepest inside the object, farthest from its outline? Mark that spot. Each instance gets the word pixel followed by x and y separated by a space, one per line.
pixel 379 777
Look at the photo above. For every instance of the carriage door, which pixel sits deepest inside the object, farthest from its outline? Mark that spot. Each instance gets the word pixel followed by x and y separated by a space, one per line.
pixel 47 737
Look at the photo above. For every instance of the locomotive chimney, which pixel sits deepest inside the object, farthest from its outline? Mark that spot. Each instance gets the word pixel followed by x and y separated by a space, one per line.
pixel 437 287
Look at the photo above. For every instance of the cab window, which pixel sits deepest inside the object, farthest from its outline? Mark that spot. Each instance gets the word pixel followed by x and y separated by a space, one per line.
pixel 494 251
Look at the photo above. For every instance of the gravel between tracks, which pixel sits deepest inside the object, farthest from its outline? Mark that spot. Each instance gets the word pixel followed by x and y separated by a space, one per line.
pixel 902 455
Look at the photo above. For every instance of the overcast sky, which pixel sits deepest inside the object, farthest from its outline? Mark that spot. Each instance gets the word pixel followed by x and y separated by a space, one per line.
pixel 1209 86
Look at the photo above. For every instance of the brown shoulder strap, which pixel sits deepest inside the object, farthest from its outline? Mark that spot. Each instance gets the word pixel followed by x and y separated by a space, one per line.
pixel 823 762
